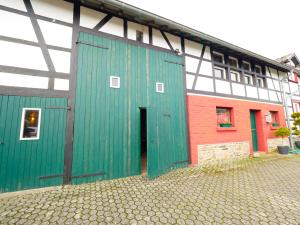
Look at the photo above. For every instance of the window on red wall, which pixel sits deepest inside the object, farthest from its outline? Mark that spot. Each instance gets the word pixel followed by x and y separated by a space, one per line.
pixel 224 117
pixel 274 115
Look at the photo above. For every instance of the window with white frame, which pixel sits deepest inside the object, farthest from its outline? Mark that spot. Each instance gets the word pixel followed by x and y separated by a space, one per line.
pixel 160 87
pixel 218 57
pixel 246 66
pixel 235 76
pixel 220 72
pixel 248 79
pixel 30 124
pixel 114 82
pixel 260 82
pixel 258 69
pixel 233 62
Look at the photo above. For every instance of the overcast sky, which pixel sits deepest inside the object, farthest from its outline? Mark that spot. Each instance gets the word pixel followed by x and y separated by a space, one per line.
pixel 267 27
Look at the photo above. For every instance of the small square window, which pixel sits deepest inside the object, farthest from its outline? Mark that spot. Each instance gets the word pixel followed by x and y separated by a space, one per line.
pixel 139 36
pixel 233 62
pixel 218 57
pixel 224 117
pixel 258 69
pixel 235 76
pixel 260 82
pixel 248 79
pixel 30 124
pixel 220 73
pixel 160 87
pixel 114 82
pixel 246 66
pixel 274 116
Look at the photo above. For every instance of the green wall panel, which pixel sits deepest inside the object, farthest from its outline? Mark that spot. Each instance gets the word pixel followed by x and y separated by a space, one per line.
pixel 23 162
pixel 107 120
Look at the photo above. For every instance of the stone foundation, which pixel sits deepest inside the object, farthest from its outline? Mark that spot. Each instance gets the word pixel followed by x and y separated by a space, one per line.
pixel 230 150
pixel 274 142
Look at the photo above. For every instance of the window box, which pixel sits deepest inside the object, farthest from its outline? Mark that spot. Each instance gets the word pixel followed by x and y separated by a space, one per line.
pixel 225 125
pixel 275 124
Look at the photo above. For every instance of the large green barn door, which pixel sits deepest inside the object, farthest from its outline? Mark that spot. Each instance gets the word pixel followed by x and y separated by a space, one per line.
pixel 26 164
pixel 166 122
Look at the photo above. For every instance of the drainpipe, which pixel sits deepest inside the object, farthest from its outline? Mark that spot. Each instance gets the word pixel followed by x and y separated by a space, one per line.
pixel 284 98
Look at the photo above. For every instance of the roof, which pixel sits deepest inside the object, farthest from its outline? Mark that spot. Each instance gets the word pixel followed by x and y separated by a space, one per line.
pixel 289 57
pixel 133 13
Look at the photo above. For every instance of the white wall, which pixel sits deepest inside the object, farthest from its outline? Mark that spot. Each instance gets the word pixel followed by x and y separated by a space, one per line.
pixel 89 18
pixel 193 48
pixel 158 39
pixel 223 87
pixel 238 89
pixel 114 26
pixel 134 27
pixel 19 80
pixel 204 84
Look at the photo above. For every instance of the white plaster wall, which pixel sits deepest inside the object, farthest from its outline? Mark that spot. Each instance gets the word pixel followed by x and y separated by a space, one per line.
pixel 56 9
pixel 189 81
pixel 191 64
pixel 15 4
pixel 158 39
pixel 289 102
pixel 114 26
pixel 223 87
pixel 19 55
pixel 267 71
pixel 16 26
pixel 193 48
pixel 297 98
pixel 270 84
pixel 273 96
pixel 61 60
pixel 55 34
pixel 263 94
pixel 273 73
pixel 277 85
pixel 206 68
pixel 204 84
pixel 294 88
pixel 207 54
pixel 286 87
pixel 90 18
pixel 251 92
pixel 279 96
pixel 238 89
pixel 18 80
pixel 61 84
pixel 133 27
pixel 175 41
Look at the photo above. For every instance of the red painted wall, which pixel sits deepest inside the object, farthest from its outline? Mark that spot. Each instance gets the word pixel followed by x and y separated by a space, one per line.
pixel 203 122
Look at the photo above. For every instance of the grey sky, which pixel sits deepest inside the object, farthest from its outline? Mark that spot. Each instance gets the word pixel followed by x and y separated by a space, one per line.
pixel 270 28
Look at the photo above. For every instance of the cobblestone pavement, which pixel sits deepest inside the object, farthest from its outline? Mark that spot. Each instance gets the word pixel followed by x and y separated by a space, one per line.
pixel 251 191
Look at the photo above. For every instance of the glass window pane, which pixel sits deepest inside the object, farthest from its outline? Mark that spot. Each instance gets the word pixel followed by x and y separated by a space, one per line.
pixel 218 58
pixel 233 62
pixel 30 126
pixel 235 76
pixel 219 73
pixel 223 115
pixel 257 69
pixel 246 66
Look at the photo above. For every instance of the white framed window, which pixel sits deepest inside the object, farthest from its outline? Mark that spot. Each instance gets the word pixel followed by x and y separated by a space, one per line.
pixel 220 72
pixel 260 82
pixel 235 76
pixel 257 69
pixel 248 79
pixel 160 87
pixel 246 66
pixel 218 57
pixel 114 82
pixel 233 62
pixel 30 124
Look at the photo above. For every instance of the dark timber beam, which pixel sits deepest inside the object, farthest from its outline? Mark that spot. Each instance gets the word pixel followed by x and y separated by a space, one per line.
pixel 167 40
pixel 102 22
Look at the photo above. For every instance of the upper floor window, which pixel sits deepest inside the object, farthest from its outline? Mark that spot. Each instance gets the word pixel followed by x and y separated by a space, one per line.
pixel 218 57
pixel 246 66
pixel 220 73
pixel 139 36
pixel 260 82
pixel 235 76
pixel 257 69
pixel 233 62
pixel 248 79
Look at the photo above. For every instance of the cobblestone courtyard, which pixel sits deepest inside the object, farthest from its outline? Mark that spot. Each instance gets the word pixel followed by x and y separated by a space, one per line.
pixel 262 190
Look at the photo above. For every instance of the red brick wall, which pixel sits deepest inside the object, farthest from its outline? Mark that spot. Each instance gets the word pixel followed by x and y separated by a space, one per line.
pixel 203 122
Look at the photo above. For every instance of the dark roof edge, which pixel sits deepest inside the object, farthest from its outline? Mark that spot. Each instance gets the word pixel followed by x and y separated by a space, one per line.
pixel 185 29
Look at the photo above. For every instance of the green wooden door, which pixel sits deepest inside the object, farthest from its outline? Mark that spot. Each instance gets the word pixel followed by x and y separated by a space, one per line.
pixel 254 130
pixel 26 164
pixel 107 120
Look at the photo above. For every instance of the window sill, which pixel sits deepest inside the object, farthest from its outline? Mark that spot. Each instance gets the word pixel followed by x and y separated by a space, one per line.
pixel 226 128
pixel 274 128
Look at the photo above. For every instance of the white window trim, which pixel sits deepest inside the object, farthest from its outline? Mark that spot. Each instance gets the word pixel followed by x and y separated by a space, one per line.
pixel 251 79
pixel 22 124
pixel 220 54
pixel 111 83
pixel 262 82
pixel 238 75
pixel 163 87
pixel 235 59
pixel 245 62
pixel 257 66
pixel 224 72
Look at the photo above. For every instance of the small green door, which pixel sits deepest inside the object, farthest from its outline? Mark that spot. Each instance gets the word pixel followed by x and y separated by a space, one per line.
pixel 254 130
pixel 31 163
